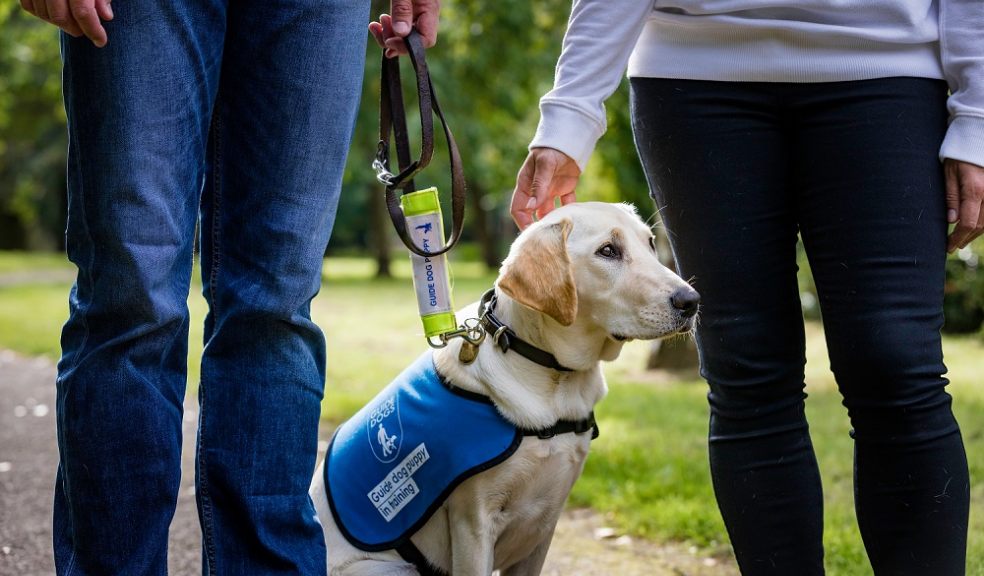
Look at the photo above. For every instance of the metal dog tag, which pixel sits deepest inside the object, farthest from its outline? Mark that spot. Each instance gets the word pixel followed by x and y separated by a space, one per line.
pixel 468 352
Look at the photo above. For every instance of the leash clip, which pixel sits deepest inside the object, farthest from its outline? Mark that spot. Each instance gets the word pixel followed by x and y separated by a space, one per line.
pixel 380 163
pixel 471 331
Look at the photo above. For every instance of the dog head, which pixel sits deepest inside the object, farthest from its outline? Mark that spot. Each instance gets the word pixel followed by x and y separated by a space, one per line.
pixel 595 264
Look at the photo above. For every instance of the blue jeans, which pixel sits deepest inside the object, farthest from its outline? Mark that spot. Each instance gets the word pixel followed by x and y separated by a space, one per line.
pixel 240 113
pixel 737 169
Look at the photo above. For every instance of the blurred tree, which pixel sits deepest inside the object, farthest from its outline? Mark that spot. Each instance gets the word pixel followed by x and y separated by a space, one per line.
pixel 963 300
pixel 615 170
pixel 32 133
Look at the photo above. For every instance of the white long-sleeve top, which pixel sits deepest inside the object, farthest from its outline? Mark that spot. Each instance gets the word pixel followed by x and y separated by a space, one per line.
pixel 766 41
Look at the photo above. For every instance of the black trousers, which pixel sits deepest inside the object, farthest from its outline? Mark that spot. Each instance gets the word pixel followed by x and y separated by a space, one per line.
pixel 736 170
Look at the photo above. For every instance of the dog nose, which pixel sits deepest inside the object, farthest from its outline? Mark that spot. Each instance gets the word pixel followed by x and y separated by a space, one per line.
pixel 685 300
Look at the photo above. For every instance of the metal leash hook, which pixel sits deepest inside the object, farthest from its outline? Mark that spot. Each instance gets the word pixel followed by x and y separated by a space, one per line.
pixel 470 331
pixel 380 163
pixel 473 334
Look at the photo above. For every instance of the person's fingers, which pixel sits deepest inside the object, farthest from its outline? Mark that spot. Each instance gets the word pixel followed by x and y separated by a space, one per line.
pixel 427 18
pixel 104 9
pixel 392 28
pixel 522 205
pixel 970 224
pixel 376 29
pixel 521 209
pixel 543 209
pixel 967 227
pixel 396 46
pixel 562 188
pixel 952 190
pixel 970 217
pixel 41 9
pixel 402 11
pixel 978 229
pixel 28 6
pixel 523 219
pixel 391 42
pixel 85 14
pixel 980 226
pixel 544 166
pixel 60 15
pixel 386 24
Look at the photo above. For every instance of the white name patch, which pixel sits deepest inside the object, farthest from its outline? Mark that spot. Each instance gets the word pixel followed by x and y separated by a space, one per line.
pixel 397 489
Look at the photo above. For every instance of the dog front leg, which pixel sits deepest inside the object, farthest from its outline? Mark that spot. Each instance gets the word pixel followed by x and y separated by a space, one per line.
pixel 532 565
pixel 472 549
pixel 471 527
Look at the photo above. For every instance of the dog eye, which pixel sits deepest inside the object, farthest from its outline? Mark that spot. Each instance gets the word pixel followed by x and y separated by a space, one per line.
pixel 609 251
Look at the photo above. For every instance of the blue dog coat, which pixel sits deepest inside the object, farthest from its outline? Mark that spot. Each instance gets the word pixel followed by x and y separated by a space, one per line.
pixel 393 464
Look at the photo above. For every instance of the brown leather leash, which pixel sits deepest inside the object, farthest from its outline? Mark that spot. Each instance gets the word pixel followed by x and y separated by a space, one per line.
pixel 393 119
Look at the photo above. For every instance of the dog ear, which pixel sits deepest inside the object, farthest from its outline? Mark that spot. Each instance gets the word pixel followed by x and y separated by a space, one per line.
pixel 539 274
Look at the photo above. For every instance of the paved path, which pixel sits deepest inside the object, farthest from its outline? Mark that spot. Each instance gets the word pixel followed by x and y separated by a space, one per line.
pixel 28 457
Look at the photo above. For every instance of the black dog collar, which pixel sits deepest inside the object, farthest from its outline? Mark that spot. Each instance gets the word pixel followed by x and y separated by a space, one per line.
pixel 506 339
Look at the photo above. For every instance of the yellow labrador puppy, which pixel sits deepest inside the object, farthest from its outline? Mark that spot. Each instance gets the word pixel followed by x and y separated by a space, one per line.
pixel 575 286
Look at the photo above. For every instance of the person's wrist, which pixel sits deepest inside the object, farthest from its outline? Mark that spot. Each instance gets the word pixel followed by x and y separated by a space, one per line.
pixel 567 130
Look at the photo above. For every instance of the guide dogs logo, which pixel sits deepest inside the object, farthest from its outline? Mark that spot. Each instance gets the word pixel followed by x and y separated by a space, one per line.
pixel 385 430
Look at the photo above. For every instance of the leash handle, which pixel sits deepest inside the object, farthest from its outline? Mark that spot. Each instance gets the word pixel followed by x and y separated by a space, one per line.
pixel 392 119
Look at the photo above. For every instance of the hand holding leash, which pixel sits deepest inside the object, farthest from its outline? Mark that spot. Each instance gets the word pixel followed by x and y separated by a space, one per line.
pixel 389 31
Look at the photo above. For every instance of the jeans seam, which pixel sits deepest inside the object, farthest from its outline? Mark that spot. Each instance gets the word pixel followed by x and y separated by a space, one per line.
pixel 86 277
pixel 91 249
pixel 208 529
pixel 70 569
pixel 216 203
pixel 207 524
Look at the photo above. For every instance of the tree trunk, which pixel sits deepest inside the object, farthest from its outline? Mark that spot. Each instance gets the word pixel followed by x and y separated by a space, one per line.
pixel 378 234
pixel 485 234
pixel 673 353
pixel 12 233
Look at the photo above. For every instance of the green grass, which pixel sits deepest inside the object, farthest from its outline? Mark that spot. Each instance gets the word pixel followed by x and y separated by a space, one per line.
pixel 32 261
pixel 372 328
pixel 649 467
pixel 647 472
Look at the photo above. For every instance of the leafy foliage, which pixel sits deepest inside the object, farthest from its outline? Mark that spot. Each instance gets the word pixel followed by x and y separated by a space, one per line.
pixel 32 133
pixel 963 301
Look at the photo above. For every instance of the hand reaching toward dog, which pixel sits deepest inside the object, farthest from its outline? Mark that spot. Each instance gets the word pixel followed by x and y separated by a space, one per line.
pixel 964 202
pixel 75 17
pixel 546 174
pixel 390 29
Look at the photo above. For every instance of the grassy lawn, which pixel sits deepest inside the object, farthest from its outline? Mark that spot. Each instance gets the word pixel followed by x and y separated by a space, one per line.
pixel 647 472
